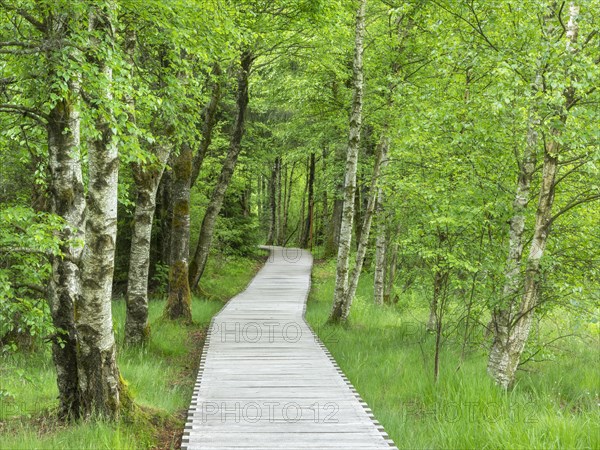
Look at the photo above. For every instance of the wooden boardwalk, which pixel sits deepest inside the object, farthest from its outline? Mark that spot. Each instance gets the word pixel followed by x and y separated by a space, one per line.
pixel 267 382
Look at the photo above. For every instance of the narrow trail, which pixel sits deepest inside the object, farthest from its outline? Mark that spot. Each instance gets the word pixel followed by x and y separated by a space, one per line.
pixel 267 382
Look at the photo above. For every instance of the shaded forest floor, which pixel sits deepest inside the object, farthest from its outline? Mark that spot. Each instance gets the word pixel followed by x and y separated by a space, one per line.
pixel 388 355
pixel 160 375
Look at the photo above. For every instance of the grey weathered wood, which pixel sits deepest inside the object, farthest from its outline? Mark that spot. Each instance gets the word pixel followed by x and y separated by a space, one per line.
pixel 266 381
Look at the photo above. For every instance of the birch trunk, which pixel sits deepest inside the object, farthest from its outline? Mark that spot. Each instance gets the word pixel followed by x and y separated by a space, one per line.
pixel 502 316
pixel 214 207
pixel 357 213
pixel 146 180
pixel 510 339
pixel 279 230
pixel 335 224
pixel 99 379
pixel 272 204
pixel 259 199
pixel 380 250
pixel 324 200
pixel 308 226
pixel 512 324
pixel 392 265
pixel 366 228
pixel 208 124
pixel 67 199
pixel 179 302
pixel 339 308
pixel 288 200
pixel 301 222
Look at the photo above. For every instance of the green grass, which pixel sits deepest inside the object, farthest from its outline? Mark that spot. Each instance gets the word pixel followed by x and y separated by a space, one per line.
pixel 388 356
pixel 160 375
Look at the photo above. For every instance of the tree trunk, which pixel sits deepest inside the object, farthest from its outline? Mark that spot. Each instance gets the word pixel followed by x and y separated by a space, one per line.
pixel 335 224
pixel 99 379
pixel 438 284
pixel 392 267
pixel 339 307
pixel 67 199
pixel 146 180
pixel 179 302
pixel 247 198
pixel 308 226
pixel 259 199
pixel 208 124
pixel 288 200
pixel 301 222
pixel 164 216
pixel 212 211
pixel 517 222
pixel 380 247
pixel 272 204
pixel 511 336
pixel 512 322
pixel 325 202
pixel 278 223
pixel 357 213
pixel 363 241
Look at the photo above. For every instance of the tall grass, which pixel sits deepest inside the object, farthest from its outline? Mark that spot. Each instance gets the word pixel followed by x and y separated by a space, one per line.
pixel 388 355
pixel 160 375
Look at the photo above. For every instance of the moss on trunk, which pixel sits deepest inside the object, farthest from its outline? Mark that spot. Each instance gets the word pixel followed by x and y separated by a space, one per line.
pixel 179 303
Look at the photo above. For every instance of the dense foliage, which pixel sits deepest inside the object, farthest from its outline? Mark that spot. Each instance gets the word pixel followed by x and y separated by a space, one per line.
pixel 140 137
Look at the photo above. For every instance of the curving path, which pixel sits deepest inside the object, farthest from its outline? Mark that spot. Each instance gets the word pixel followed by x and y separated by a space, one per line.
pixel 267 382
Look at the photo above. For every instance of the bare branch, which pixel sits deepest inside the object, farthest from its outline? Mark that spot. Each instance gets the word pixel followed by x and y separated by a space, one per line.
pixel 40 26
pixel 544 346
pixel 25 250
pixel 476 27
pixel 572 204
pixel 32 287
pixel 25 111
pixel 20 44
pixel 590 37
pixel 25 51
pixel 32 251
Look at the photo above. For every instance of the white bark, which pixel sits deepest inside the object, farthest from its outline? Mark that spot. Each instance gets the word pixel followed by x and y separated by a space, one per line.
pixel 345 236
pixel 512 323
pixel 67 200
pixel 99 379
pixel 380 251
pixel 147 180
pixel 363 241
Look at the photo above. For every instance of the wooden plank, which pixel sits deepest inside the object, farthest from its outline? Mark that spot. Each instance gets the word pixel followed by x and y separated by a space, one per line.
pixel 265 379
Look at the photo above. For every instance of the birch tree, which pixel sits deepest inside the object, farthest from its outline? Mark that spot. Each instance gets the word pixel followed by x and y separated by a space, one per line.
pixel 341 307
pixel 216 202
pixel 512 323
pixel 179 303
pixel 100 383
pixel 147 178
pixel 49 32
pixel 363 240
pixel 67 199
pixel 147 172
pixel 381 250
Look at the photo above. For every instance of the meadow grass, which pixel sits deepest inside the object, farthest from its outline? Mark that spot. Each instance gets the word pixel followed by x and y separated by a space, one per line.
pixel 388 355
pixel 159 375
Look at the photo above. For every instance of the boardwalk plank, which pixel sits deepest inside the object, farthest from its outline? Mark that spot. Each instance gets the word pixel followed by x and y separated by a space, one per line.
pixel 265 380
